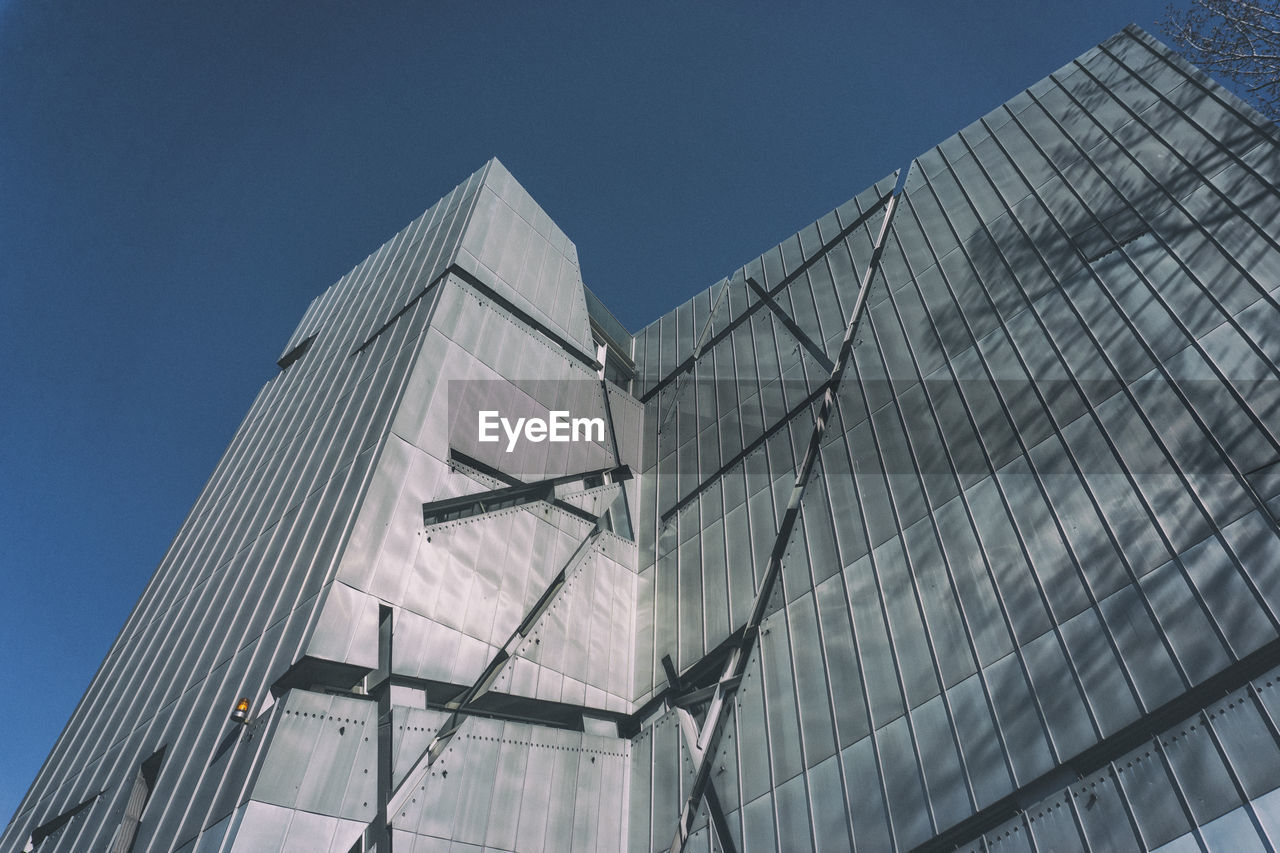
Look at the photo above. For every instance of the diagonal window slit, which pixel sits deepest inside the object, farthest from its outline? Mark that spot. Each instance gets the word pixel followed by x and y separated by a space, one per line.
pixel 516 493
pixel 144 783
pixel 51 826
pixel 408 306
pixel 296 353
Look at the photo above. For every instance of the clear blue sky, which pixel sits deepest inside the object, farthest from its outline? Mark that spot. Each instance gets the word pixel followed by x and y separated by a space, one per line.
pixel 178 180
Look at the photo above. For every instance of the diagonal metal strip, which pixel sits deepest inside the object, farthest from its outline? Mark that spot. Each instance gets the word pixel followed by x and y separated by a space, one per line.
pixel 515 493
pixel 746 315
pixel 617 452
pixel 791 326
pixel 681 699
pixel 674 396
pixel 755 444
pixel 709 737
pixel 489 675
pixel 715 813
pixel 408 306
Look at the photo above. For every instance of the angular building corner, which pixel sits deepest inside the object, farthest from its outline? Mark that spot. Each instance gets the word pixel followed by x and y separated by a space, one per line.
pixel 949 523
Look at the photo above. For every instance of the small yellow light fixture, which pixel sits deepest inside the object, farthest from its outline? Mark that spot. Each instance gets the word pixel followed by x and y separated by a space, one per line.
pixel 240 714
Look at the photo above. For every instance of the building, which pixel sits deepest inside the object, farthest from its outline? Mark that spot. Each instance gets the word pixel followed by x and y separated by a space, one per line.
pixel 950 522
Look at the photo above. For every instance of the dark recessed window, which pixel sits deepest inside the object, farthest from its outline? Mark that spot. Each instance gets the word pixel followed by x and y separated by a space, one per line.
pixel 296 353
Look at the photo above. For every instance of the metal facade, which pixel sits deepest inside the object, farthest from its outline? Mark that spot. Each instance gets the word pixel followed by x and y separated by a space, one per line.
pixel 950 522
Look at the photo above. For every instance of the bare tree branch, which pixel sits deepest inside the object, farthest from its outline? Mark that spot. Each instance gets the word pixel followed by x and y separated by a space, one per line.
pixel 1238 41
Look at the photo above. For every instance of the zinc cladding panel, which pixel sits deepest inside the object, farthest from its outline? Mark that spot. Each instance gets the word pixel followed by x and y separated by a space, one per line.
pixel 320 748
pixel 1188 779
pixel 1018 541
pixel 585 633
pixel 516 249
pixel 459 800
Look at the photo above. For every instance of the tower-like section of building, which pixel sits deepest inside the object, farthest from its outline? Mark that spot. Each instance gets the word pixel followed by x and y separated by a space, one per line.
pixel 359 565
pixel 950 522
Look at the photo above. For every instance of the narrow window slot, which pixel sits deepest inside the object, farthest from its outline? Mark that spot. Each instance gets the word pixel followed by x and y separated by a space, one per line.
pixel 51 826
pixel 296 353
pixel 144 782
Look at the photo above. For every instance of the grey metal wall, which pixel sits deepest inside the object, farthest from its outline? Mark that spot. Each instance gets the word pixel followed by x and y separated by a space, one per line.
pixel 1043 521
pixel 1212 782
